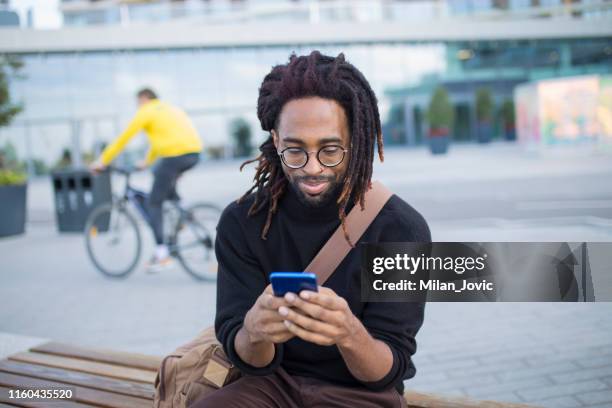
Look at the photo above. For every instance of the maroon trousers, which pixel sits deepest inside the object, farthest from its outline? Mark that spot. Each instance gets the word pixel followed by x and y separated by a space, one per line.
pixel 281 390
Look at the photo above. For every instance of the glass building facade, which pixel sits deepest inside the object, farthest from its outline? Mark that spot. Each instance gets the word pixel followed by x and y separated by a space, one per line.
pixel 497 66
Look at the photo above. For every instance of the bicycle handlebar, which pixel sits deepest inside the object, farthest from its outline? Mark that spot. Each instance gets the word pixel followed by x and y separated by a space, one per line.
pixel 124 170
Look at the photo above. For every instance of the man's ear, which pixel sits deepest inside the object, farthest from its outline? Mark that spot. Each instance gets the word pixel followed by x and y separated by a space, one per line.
pixel 274 138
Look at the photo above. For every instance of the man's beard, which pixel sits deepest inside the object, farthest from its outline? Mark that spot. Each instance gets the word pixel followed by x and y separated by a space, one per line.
pixel 320 200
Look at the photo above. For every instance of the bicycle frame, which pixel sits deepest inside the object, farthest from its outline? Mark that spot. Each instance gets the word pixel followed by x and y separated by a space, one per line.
pixel 130 194
pixel 139 198
pixel 187 228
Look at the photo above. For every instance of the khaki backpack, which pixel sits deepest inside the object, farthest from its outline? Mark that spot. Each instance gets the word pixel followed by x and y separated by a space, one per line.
pixel 192 371
pixel 201 366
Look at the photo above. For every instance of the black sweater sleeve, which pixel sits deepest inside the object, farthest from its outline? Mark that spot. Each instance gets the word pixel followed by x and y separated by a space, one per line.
pixel 240 280
pixel 397 323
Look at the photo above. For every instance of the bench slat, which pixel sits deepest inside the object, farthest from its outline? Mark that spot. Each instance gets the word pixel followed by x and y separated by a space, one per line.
pixel 81 394
pixel 78 378
pixel 4 400
pixel 48 404
pixel 422 400
pixel 134 360
pixel 91 367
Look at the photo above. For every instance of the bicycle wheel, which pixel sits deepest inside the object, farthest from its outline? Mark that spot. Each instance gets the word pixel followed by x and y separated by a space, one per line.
pixel 113 240
pixel 194 239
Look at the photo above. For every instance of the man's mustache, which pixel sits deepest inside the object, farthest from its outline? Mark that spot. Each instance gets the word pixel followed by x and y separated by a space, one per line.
pixel 314 179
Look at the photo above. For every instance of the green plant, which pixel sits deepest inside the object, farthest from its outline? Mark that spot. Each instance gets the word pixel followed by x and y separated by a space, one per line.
pixel 440 114
pixel 40 167
pixel 241 133
pixel 484 105
pixel 507 113
pixel 11 171
pixel 12 177
pixel 215 152
pixel 8 156
pixel 65 160
pixel 9 67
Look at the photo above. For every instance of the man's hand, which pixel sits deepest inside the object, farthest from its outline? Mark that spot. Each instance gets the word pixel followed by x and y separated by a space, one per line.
pixel 325 318
pixel 322 317
pixel 97 167
pixel 263 323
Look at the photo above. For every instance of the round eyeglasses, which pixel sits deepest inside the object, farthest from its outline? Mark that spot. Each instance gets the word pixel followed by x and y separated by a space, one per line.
pixel 328 156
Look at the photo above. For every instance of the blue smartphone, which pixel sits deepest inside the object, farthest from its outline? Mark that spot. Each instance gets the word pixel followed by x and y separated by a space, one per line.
pixel 283 282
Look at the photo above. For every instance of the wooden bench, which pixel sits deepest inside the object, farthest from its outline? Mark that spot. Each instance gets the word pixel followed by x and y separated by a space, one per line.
pixel 106 378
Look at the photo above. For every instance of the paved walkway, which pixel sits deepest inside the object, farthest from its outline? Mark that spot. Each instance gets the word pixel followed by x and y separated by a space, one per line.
pixel 550 354
pixel 555 355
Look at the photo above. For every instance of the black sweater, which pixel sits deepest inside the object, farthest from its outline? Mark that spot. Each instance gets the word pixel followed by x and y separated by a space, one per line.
pixel 296 234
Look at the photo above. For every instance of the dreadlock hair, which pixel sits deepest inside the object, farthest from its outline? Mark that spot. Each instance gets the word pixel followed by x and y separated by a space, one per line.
pixel 325 77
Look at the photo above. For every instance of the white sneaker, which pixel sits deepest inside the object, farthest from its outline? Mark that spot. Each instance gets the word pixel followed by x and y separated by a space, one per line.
pixel 161 251
pixel 156 264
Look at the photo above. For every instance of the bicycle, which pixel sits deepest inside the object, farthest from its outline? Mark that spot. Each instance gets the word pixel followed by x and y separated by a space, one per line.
pixel 112 233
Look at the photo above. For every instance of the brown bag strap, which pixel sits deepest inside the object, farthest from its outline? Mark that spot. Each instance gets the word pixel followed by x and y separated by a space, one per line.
pixel 357 221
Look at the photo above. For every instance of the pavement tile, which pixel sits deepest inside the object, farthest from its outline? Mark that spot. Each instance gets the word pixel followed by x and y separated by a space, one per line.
pixel 540 393
pixel 561 402
pixel 583 374
pixel 596 397
pixel 491 391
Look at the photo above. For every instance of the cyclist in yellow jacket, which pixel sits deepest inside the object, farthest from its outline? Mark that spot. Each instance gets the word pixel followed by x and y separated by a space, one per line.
pixel 174 144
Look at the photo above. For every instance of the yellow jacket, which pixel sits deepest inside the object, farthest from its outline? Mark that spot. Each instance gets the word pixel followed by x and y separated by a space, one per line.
pixel 169 130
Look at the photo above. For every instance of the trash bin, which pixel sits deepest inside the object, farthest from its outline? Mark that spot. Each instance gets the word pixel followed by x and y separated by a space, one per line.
pixel 76 193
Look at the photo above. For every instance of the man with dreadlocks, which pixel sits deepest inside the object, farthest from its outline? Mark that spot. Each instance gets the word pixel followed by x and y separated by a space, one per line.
pixel 325 348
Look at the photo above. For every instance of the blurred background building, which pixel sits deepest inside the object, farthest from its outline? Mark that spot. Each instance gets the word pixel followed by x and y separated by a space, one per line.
pixel 209 56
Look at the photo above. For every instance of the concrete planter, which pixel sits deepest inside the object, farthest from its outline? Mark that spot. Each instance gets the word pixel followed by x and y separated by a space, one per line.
pixel 485 132
pixel 439 139
pixel 439 145
pixel 13 212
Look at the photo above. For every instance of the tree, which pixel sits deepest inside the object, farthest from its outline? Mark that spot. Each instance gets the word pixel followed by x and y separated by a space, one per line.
pixel 9 67
pixel 440 114
pixel 10 171
pixel 484 105
pixel 507 113
pixel 484 115
pixel 508 119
